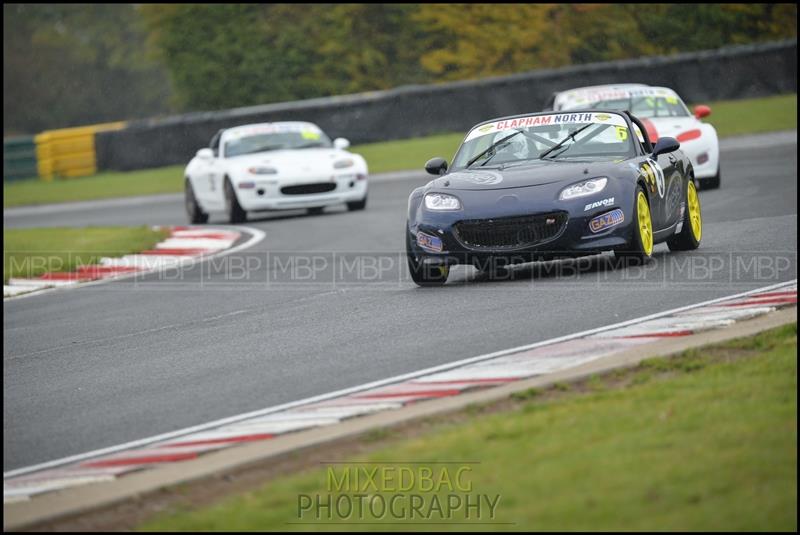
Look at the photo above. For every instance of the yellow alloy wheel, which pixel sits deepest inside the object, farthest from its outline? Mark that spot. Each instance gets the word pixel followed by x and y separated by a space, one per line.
pixel 645 224
pixel 694 212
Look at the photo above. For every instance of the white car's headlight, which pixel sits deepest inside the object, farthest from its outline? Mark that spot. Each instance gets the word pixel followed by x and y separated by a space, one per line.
pixel 582 189
pixel 442 201
pixel 261 170
pixel 343 164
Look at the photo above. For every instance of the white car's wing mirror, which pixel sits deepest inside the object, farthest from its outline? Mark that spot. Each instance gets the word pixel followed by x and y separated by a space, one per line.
pixel 205 154
pixel 341 143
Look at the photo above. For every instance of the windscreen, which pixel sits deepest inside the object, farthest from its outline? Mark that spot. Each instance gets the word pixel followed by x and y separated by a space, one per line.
pixel 264 138
pixel 552 136
pixel 648 102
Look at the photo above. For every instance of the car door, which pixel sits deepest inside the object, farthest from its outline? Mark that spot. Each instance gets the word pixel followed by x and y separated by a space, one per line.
pixel 662 176
pixel 673 192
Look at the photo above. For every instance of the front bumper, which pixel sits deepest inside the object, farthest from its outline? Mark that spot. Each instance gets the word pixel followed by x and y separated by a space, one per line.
pixel 267 195
pixel 574 239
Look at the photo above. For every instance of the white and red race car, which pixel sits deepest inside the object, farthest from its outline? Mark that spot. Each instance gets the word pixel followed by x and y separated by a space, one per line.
pixel 273 166
pixel 662 112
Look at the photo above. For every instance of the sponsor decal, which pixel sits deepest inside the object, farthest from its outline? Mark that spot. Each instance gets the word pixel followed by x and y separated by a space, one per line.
pixel 482 179
pixel 639 134
pixel 622 133
pixel 431 243
pixel 680 218
pixel 653 174
pixel 574 98
pixel 607 220
pixel 604 202
pixel 545 120
pixel 272 128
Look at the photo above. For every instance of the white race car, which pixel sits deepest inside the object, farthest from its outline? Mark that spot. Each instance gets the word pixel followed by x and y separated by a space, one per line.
pixel 662 112
pixel 273 166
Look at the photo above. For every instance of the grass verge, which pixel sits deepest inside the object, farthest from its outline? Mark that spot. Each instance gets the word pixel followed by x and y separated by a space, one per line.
pixel 32 252
pixel 732 117
pixel 706 440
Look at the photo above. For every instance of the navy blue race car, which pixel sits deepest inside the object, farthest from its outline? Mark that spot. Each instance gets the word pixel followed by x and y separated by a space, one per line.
pixel 552 185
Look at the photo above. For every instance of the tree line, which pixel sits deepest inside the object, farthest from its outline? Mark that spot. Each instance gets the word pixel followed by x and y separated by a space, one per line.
pixel 78 64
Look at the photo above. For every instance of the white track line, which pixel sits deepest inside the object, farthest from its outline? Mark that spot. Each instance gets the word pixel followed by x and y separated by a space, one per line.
pixel 256 236
pixel 396 379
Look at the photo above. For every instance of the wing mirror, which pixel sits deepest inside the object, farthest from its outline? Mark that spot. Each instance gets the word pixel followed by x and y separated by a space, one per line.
pixel 341 143
pixel 436 166
pixel 205 154
pixel 665 145
pixel 701 110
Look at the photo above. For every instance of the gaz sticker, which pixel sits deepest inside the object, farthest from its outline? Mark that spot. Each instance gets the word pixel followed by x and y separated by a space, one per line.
pixel 607 220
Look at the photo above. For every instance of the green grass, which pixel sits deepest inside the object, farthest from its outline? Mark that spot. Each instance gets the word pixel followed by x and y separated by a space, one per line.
pixel 100 186
pixel 703 441
pixel 732 117
pixel 407 154
pixel 32 252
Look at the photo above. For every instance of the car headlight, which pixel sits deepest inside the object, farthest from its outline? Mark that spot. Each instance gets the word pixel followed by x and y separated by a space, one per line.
pixel 261 170
pixel 442 201
pixel 343 164
pixel 582 189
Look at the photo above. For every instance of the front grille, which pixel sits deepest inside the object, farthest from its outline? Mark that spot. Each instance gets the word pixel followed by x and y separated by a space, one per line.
pixel 307 189
pixel 510 232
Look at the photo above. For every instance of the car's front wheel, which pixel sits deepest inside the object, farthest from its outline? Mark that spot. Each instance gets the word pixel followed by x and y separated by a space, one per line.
pixel 193 210
pixel 425 274
pixel 236 214
pixel 692 231
pixel 357 205
pixel 640 248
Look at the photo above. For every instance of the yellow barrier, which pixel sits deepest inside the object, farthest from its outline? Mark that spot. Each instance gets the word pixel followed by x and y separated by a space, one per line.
pixel 69 152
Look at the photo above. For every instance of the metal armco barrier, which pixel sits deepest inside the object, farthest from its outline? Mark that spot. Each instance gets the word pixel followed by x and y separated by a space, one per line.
pixel 410 111
pixel 69 152
pixel 19 158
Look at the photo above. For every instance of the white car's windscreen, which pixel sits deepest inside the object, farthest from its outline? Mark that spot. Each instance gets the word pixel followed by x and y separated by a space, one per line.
pixel 645 107
pixel 275 140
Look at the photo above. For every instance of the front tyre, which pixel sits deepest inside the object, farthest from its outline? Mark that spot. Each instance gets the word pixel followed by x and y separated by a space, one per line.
pixel 425 274
pixel 193 210
pixel 357 205
pixel 692 231
pixel 640 248
pixel 236 214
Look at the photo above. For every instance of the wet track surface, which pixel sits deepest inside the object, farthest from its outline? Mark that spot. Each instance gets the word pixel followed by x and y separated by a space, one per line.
pixel 100 365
